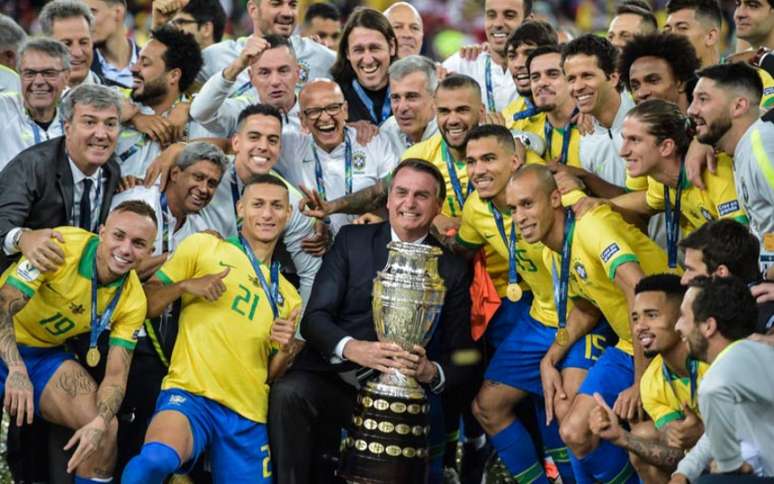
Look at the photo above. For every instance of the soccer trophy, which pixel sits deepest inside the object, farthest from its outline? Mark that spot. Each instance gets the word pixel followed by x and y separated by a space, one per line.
pixel 390 426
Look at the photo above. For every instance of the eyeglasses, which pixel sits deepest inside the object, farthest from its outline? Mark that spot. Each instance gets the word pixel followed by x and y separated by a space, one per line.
pixel 180 22
pixel 48 74
pixel 331 110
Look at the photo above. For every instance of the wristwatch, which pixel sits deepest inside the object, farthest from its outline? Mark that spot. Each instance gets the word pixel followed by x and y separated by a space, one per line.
pixel 17 238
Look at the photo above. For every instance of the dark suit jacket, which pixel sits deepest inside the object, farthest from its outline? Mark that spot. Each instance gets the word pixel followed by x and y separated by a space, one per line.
pixel 340 303
pixel 36 190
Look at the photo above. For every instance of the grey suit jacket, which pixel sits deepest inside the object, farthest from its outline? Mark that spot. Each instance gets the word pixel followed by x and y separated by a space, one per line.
pixel 36 190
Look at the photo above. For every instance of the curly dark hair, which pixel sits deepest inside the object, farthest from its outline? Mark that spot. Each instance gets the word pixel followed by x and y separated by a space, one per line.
pixel 182 53
pixel 593 45
pixel 675 49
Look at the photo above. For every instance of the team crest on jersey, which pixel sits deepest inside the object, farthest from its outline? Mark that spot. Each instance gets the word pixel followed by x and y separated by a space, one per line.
pixel 76 308
pixel 707 215
pixel 303 73
pixel 581 271
pixel 609 252
pixel 358 161
pixel 745 194
pixel 728 207
pixel 280 299
pixel 27 272
pixel 255 281
pixel 176 400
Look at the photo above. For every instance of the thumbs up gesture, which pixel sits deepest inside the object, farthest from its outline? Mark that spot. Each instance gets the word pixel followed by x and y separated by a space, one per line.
pixel 209 287
pixel 684 433
pixel 604 423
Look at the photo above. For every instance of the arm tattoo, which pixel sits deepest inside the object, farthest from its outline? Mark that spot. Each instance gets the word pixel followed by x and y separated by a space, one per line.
pixel 111 392
pixel 109 398
pixel 366 200
pixel 653 451
pixel 10 304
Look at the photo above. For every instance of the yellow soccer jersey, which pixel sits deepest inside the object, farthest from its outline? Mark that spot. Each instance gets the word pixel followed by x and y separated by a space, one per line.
pixel 698 207
pixel 664 400
pixel 480 229
pixel 767 97
pixel 223 347
pixel 60 301
pixel 514 107
pixel 635 184
pixel 432 150
pixel 602 241
pixel 537 125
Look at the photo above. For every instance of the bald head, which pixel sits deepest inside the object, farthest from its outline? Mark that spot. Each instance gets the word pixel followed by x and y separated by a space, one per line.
pixel 319 88
pixel 408 27
pixel 540 175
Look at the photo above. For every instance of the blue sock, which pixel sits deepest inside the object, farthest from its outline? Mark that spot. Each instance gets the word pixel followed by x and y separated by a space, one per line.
pixel 514 446
pixel 93 480
pixel 609 463
pixel 579 472
pixel 155 462
pixel 552 443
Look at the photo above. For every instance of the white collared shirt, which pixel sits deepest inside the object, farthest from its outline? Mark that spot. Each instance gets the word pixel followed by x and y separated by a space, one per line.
pixel 314 61
pixel 599 149
pixel 135 151
pixel 503 88
pixel 122 76
pixel 400 140
pixel 18 131
pixel 95 195
pixel 219 113
pixel 370 163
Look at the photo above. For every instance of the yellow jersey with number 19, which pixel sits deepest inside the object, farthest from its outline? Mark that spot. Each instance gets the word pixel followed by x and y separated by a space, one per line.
pixel 432 150
pixel 222 349
pixel 602 241
pixel 60 301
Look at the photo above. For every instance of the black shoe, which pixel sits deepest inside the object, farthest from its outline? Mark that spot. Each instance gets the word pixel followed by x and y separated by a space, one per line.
pixel 473 462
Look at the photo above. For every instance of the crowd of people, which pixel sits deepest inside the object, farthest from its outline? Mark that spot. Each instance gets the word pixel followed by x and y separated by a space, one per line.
pixel 191 229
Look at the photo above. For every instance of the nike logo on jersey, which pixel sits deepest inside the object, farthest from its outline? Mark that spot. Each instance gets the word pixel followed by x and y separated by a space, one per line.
pixel 223 264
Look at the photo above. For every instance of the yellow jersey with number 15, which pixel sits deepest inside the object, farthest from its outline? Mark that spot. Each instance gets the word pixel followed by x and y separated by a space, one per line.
pixel 60 301
pixel 222 349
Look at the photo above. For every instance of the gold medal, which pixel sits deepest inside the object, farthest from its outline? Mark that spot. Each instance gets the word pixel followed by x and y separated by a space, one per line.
pixel 513 292
pixel 92 357
pixel 562 337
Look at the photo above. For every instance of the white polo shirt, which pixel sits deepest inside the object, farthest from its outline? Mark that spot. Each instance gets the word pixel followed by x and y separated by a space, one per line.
pixel 220 215
pixel 314 60
pixel 503 88
pixel 754 179
pixel 400 141
pixel 370 163
pixel 18 131
pixel 219 113
pixel 599 149
pixel 9 80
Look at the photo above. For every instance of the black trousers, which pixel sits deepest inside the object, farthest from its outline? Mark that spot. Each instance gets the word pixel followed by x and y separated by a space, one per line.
pixel 306 413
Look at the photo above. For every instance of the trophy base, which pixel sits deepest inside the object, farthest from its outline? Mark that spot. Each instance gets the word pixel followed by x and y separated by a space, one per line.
pixel 387 441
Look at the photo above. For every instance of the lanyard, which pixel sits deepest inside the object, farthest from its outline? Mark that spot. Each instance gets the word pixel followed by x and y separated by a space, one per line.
pixel 529 111
pixel 562 280
pixel 36 131
pixel 369 104
pixel 318 172
pixel 271 294
pixel 510 244
pixel 693 372
pixel 455 181
pixel 241 90
pixel 489 88
pixel 99 323
pixel 235 194
pixel 673 219
pixel 548 133
pixel 166 233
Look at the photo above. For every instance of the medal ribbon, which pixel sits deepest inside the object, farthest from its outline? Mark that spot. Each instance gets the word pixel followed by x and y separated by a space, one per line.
pixel 548 133
pixel 455 181
pixel 510 243
pixel 562 279
pixel 235 195
pixel 489 88
pixel 99 323
pixel 530 111
pixel 166 233
pixel 369 104
pixel 672 215
pixel 693 373
pixel 272 294
pixel 318 173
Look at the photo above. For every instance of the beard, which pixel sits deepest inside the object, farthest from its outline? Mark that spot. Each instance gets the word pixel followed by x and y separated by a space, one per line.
pixel 152 92
pixel 715 131
pixel 697 345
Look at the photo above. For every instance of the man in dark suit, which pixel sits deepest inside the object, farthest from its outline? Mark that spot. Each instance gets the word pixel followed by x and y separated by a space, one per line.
pixel 68 180
pixel 65 181
pixel 315 399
